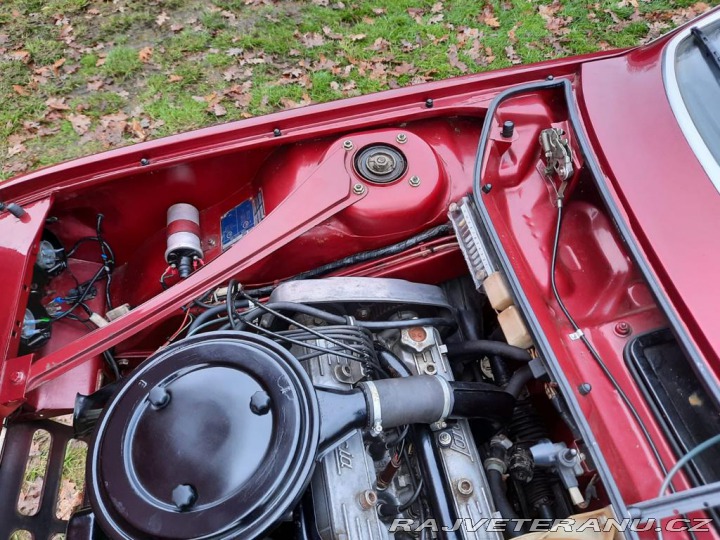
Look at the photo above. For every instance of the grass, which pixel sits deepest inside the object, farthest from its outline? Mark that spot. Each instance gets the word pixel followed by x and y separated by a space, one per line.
pixel 186 64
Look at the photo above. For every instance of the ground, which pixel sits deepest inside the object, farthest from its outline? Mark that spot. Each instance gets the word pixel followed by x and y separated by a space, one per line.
pixel 81 76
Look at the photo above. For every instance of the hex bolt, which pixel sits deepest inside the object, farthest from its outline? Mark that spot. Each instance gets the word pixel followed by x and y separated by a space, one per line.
pixel 17 377
pixel 508 129
pixel 260 403
pixel 368 499
pixel 348 144
pixel 144 162
pixel 159 397
pixel 277 132
pixel 486 188
pixel 414 181
pixel 184 497
pixel 584 388
pixel 444 439
pixel 465 487
pixel 429 103
pixel 358 189
pixel 623 329
pixel 401 138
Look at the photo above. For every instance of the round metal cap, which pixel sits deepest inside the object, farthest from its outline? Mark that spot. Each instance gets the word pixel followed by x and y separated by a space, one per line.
pixel 380 163
pixel 182 450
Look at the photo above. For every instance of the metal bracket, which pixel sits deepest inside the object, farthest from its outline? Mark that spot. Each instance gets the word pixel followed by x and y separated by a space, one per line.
pixel 675 504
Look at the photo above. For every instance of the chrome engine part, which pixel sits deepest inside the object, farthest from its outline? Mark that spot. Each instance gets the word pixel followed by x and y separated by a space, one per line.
pixel 421 349
pixel 345 484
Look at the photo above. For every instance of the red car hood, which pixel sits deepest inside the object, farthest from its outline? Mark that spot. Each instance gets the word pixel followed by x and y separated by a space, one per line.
pixel 671 205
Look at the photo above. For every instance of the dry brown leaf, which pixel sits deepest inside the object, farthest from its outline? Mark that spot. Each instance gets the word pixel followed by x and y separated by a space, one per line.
pixel 20 90
pixel 145 54
pixel 312 39
pixel 57 104
pixel 218 110
pixel 95 85
pixel 16 149
pixel 175 78
pixel 23 56
pixel 136 129
pixel 162 19
pixel 80 123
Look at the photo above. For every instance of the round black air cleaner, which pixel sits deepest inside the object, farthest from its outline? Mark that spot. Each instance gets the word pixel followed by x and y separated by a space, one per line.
pixel 380 163
pixel 214 436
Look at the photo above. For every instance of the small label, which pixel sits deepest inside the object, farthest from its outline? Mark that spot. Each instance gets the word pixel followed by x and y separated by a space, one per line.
pixel 237 222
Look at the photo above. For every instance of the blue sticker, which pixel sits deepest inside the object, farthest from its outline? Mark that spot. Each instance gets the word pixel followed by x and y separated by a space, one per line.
pixel 237 222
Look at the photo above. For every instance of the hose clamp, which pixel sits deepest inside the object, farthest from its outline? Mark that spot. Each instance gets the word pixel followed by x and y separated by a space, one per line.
pixel 376 408
pixel 448 398
pixel 495 464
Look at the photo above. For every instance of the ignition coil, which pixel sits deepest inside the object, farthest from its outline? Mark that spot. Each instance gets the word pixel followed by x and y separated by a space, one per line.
pixel 183 238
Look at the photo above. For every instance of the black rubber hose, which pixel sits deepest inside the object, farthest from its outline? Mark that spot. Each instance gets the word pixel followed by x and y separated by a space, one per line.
pixel 363 256
pixel 212 312
pixel 499 370
pixel 437 489
pixel 502 504
pixel 392 364
pixel 487 347
pixel 518 381
pixel 339 319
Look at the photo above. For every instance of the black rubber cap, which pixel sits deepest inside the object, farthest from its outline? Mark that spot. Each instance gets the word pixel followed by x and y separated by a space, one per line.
pixel 508 128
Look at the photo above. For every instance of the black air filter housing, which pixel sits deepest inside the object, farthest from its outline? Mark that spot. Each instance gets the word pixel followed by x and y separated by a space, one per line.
pixel 214 436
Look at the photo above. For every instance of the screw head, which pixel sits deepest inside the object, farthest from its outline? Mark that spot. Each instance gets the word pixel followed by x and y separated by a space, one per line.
pixel 368 499
pixel 144 162
pixel 358 189
pixel 549 78
pixel 260 403
pixel 159 397
pixel 584 389
pixel 348 144
pixel 429 103
pixel 277 132
pixel 444 439
pixel 486 188
pixel 414 181
pixel 464 487
pixel 401 138
pixel 623 329
pixel 184 496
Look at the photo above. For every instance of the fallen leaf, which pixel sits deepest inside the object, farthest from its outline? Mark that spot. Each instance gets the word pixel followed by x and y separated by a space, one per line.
pixel 175 78
pixel 145 54
pixel 95 85
pixel 455 61
pixel 219 110
pixel 312 39
pixel 23 56
pixel 57 104
pixel 16 149
pixel 21 90
pixel 80 123
pixel 137 129
pixel 176 27
pixel 162 19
